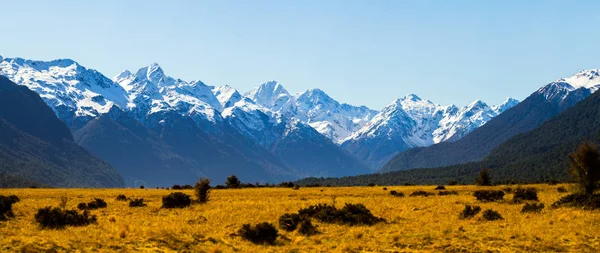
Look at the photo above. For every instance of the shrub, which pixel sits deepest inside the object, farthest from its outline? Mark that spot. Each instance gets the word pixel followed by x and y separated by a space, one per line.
pixel 453 182
pixel 553 182
pixel 142 187
pixel 137 203
pixel 233 182
pixel 385 188
pixel 289 221
pixel 187 187
pixel 508 190
pixel 121 197
pixel 296 187
pixel 176 200
pixel 491 215
pixel 581 200
pixel 176 187
pixel 470 211
pixel 307 228
pixel 396 194
pixel 488 195
pixel 202 189
pixel 371 184
pixel 484 178
pixel 421 193
pixel 6 203
pixel 561 189
pixel 351 214
pixel 92 205
pixel 585 167
pixel 440 188
pixel 529 193
pixel 444 193
pixel 262 233
pixel 49 217
pixel 532 207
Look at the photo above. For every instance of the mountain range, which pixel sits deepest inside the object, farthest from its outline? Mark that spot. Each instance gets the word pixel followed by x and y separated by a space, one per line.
pixel 159 130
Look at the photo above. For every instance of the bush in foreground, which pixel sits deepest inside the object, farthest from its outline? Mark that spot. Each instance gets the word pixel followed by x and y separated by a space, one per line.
pixel 176 200
pixel 307 228
pixel 585 167
pixel 532 208
pixel 262 233
pixel 201 189
pixel 561 189
pixel 470 211
pixel 137 203
pixel 488 195
pixel 121 197
pixel 491 215
pixel 6 203
pixel 484 178
pixel 580 200
pixel 350 214
pixel 396 194
pixel 529 193
pixel 440 188
pixel 92 205
pixel 289 221
pixel 49 217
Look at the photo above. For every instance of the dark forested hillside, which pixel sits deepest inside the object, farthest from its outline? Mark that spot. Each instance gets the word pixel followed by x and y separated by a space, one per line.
pixel 527 115
pixel 535 156
pixel 36 146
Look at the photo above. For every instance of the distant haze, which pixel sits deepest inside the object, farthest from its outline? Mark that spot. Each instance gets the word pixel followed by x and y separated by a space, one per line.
pixel 359 52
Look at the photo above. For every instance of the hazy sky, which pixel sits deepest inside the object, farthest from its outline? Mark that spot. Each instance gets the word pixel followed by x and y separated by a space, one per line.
pixel 360 52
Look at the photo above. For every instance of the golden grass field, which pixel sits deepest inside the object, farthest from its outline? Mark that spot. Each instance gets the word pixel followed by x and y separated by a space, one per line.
pixel 414 224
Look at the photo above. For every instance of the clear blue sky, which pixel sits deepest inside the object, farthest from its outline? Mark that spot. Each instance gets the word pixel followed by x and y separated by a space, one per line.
pixel 360 52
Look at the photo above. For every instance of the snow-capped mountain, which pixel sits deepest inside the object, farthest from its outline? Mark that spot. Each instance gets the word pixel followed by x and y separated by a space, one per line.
pixel 543 104
pixel 75 93
pixel 414 122
pixel 314 107
pixel 226 95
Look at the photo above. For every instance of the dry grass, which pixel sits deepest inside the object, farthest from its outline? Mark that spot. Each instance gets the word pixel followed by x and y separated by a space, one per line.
pixel 420 224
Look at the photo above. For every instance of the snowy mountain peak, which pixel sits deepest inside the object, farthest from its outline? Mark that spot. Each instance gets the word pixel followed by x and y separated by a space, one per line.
pixel 477 104
pixel 507 104
pixel 586 78
pixel 270 94
pixel 227 95
pixel 412 97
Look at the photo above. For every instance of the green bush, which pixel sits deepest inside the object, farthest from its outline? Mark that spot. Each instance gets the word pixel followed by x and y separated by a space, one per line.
pixel 561 189
pixel 289 221
pixel 470 211
pixel 92 205
pixel 6 203
pixel 350 214
pixel 49 217
pixel 532 208
pixel 580 200
pixel 529 193
pixel 137 203
pixel 396 194
pixel 262 233
pixel 488 195
pixel 121 197
pixel 201 189
pixel 307 228
pixel 491 215
pixel 440 188
pixel 421 193
pixel 176 200
pixel 444 193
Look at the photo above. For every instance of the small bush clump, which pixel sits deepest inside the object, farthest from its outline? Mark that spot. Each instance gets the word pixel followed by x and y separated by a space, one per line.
pixel 396 194
pixel 508 190
pixel 137 203
pixel 49 217
pixel 92 205
pixel 444 193
pixel 6 203
pixel 121 197
pixel 351 214
pixel 307 228
pixel 421 193
pixel 525 194
pixel 289 221
pixel 176 200
pixel 488 195
pixel 202 188
pixel 491 215
pixel 440 188
pixel 561 189
pixel 262 233
pixel 470 211
pixel 581 200
pixel 532 208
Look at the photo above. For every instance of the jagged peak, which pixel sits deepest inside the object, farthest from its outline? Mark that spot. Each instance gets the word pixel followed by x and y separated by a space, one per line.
pixel 585 78
pixel 124 74
pixel 477 104
pixel 412 97
pixel 44 65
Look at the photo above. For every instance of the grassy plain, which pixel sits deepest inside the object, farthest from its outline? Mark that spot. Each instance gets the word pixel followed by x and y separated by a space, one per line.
pixel 414 224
